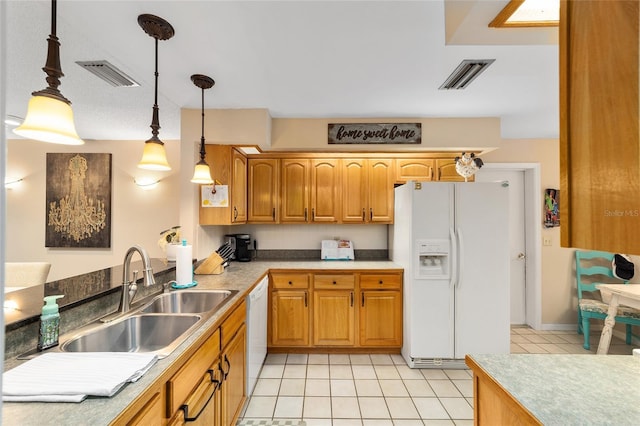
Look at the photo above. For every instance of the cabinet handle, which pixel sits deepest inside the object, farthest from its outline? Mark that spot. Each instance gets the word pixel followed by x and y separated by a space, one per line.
pixel 362 299
pixel 226 360
pixel 351 298
pixel 185 407
pixel 305 299
pixel 371 214
pixel 363 213
pixel 305 214
pixel 273 213
pixel 235 213
pixel 334 283
pixel 380 282
pixel 313 214
pixel 290 283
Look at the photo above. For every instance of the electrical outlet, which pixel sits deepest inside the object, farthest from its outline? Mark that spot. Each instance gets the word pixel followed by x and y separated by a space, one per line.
pixel 546 240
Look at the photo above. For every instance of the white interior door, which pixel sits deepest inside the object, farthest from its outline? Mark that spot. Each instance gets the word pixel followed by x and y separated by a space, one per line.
pixel 517 242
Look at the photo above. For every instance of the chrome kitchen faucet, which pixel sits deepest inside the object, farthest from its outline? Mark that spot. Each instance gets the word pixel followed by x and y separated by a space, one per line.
pixel 129 288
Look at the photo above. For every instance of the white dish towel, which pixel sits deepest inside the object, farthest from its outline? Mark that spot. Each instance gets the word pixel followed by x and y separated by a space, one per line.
pixel 71 377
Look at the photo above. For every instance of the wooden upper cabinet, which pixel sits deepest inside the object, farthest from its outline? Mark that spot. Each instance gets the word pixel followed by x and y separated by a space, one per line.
pixel 381 177
pixel 238 190
pixel 263 190
pixel 229 168
pixel 310 190
pixel 599 131
pixel 294 206
pixel 446 171
pixel 325 190
pixel 414 169
pixel 367 190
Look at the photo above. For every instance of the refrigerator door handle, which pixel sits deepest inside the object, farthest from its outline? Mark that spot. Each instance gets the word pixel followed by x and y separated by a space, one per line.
pixel 460 256
pixel 454 258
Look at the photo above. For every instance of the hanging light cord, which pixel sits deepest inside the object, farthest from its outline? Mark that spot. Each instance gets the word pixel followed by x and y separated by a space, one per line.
pixel 52 67
pixel 155 120
pixel 202 151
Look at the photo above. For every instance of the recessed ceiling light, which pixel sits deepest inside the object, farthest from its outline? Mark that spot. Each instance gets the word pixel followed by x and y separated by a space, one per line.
pixel 528 13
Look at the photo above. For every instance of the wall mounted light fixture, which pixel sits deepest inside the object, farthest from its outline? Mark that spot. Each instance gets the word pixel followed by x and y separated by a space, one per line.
pixel 146 183
pixel 202 172
pixel 49 114
pixel 154 156
pixel 12 182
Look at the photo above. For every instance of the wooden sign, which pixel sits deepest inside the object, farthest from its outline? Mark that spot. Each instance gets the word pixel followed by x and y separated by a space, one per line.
pixel 375 133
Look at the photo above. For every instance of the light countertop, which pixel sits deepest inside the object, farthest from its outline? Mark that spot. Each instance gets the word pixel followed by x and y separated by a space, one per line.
pixel 101 411
pixel 568 389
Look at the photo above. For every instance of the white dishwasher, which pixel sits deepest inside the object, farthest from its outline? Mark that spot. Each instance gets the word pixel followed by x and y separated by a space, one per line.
pixel 256 332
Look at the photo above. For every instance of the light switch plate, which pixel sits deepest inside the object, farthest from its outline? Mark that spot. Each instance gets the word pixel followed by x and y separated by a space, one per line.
pixel 546 240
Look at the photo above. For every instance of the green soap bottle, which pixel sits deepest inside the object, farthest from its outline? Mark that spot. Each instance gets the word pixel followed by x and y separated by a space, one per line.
pixel 49 323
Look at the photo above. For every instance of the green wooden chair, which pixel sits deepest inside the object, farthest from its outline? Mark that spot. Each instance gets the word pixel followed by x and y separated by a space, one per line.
pixel 594 267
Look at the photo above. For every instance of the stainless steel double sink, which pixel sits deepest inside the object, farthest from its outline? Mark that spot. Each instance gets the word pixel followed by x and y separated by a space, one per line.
pixel 158 326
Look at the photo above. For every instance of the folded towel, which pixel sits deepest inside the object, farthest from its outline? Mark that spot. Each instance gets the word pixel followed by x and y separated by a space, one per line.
pixel 71 377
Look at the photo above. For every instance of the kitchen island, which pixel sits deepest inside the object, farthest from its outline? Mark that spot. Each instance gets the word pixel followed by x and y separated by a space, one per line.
pixel 554 389
pixel 103 411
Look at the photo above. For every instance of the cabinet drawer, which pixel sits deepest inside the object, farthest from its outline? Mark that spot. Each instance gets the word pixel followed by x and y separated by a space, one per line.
pixel 290 280
pixel 328 281
pixel 185 380
pixel 231 325
pixel 381 280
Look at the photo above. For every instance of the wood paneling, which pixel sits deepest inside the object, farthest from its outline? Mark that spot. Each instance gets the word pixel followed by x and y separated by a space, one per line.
pixel 599 140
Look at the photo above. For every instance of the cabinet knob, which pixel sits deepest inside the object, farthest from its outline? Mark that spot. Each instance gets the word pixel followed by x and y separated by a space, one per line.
pixel 334 283
pixel 380 282
pixel 290 283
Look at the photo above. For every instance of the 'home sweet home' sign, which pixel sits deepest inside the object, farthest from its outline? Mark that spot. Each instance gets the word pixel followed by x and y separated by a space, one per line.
pixel 375 133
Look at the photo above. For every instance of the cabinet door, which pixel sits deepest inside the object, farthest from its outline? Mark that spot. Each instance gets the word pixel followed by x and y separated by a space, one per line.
pixel 599 125
pixel 333 318
pixel 289 318
pixel 380 318
pixel 446 171
pixel 419 170
pixel 294 203
pixel 381 177
pixel 325 190
pixel 151 413
pixel 263 190
pixel 354 190
pixel 233 363
pixel 238 190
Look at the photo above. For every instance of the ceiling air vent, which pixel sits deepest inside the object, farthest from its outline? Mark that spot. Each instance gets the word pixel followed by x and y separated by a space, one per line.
pixel 109 73
pixel 465 73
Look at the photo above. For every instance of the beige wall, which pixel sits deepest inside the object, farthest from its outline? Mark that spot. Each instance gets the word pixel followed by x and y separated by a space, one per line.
pixel 137 215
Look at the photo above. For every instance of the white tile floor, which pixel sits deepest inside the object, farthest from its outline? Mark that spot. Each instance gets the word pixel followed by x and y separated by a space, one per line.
pixel 380 390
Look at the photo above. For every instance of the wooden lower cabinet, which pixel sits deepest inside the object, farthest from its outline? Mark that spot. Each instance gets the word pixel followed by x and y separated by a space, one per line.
pixel 380 318
pixel 333 318
pixel 151 412
pixel 493 405
pixel 233 393
pixel 359 309
pixel 289 318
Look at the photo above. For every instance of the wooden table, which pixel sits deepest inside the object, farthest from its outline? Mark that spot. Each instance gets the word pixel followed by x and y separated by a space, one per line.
pixel 621 294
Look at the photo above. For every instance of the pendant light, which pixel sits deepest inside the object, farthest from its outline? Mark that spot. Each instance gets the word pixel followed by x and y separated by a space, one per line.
pixel 49 114
pixel 202 173
pixel 154 156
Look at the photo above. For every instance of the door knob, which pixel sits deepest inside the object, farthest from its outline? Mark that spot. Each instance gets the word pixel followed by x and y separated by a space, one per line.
pixel 521 256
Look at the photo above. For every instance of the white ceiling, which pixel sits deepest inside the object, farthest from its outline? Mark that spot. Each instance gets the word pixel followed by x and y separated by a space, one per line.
pixel 295 58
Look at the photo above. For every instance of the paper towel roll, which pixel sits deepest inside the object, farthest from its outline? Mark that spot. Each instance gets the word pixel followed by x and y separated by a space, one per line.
pixel 184 265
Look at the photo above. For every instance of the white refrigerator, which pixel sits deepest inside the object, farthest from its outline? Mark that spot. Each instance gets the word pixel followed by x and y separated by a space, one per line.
pixel 452 241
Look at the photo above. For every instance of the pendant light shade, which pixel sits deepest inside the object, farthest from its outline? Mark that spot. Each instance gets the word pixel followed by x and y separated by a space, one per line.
pixel 49 115
pixel 202 173
pixel 154 155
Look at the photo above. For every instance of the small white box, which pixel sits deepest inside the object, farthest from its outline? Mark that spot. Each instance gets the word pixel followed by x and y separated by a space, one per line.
pixel 336 250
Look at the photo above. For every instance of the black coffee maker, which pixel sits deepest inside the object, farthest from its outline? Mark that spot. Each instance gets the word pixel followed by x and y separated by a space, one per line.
pixel 240 245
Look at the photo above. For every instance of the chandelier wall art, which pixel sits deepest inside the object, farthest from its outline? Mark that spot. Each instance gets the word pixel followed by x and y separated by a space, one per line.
pixel 78 200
